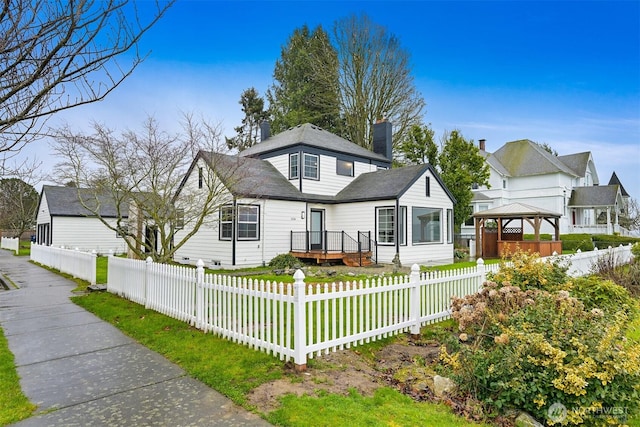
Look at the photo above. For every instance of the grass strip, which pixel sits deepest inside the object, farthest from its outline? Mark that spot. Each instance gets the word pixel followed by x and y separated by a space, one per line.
pixel 230 368
pixel 387 407
pixel 14 405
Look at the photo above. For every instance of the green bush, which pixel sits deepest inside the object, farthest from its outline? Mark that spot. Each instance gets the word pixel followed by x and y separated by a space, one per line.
pixel 635 250
pixel 595 292
pixel 284 261
pixel 573 242
pixel 527 271
pixel 543 237
pixel 603 241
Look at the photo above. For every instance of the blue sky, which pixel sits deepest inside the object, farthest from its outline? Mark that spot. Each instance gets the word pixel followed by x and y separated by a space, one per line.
pixel 562 73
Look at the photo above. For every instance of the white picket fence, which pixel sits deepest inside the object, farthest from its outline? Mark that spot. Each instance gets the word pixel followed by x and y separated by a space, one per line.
pixel 581 263
pixel 293 320
pixel 79 264
pixel 298 320
pixel 11 243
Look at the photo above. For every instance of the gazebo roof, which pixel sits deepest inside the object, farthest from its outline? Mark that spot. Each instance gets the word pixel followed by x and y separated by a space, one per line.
pixel 516 210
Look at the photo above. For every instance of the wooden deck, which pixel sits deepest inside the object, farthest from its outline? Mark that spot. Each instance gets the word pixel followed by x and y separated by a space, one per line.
pixel 352 259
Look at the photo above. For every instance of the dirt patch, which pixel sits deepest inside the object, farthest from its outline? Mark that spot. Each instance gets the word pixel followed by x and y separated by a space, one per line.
pixel 335 373
pixel 345 370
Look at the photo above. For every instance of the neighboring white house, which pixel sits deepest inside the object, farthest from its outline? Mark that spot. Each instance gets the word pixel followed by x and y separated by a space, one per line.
pixel 317 195
pixel 62 220
pixel 524 172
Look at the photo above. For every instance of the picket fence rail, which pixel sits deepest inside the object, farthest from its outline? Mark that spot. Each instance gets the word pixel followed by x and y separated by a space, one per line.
pixel 11 243
pixel 79 264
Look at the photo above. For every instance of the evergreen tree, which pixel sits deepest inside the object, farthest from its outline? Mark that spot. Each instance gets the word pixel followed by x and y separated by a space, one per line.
pixel 419 146
pixel 305 88
pixel 249 133
pixel 460 166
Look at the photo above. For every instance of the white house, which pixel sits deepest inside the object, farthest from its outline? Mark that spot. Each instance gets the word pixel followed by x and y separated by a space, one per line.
pixel 319 196
pixel 62 220
pixel 524 172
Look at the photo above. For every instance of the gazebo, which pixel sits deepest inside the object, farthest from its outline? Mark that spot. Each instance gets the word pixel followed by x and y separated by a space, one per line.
pixel 498 230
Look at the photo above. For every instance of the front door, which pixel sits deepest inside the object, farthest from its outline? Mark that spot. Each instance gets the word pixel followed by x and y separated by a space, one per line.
pixel 317 228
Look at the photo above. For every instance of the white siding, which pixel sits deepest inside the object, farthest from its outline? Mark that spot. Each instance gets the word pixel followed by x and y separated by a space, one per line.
pixel 205 244
pixel 426 253
pixel 43 216
pixel 86 234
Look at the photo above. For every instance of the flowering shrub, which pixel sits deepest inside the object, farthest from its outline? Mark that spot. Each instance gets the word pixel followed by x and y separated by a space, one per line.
pixel 526 271
pixel 635 251
pixel 527 342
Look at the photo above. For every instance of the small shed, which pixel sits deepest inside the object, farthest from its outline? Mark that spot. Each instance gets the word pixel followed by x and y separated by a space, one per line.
pixel 500 229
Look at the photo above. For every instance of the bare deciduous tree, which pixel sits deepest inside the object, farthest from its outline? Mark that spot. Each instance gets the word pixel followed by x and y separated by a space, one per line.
pixel 375 81
pixel 140 173
pixel 56 55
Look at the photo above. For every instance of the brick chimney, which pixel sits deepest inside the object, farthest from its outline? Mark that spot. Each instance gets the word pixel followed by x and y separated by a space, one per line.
pixel 382 138
pixel 265 130
pixel 481 144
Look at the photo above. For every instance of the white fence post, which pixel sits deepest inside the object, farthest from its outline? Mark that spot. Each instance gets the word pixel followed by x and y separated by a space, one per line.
pixel 299 321
pixel 414 300
pixel 147 273
pixel 93 265
pixel 483 272
pixel 200 318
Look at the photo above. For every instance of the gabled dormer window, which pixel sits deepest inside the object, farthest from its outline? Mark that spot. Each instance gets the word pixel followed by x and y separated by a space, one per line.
pixel 311 166
pixel 294 165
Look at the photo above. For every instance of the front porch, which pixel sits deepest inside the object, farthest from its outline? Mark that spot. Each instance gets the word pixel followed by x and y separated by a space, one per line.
pixel 333 246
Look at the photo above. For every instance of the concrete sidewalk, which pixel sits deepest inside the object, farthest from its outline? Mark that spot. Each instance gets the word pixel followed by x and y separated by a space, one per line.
pixel 81 371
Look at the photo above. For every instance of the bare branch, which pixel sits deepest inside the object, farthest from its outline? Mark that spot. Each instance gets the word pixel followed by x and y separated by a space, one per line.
pixel 57 55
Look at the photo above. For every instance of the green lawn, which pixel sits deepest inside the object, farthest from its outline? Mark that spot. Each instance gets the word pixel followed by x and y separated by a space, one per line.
pixel 14 406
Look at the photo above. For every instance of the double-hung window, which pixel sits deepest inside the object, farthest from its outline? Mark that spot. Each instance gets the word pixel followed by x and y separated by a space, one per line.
pixel 294 165
pixel 247 222
pixel 311 168
pixel 386 225
pixel 226 222
pixel 248 225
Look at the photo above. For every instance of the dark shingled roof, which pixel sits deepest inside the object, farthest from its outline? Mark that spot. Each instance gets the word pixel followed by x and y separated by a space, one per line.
pixel 615 181
pixel 249 177
pixel 600 195
pixel 313 136
pixel 65 201
pixel 577 162
pixel 526 158
pixel 383 184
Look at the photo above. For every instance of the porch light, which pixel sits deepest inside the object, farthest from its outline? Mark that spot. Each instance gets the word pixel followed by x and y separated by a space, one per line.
pixel 301 214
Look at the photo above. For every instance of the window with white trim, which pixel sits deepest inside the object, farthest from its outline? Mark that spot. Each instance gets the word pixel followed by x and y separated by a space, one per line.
pixel 311 166
pixel 450 225
pixel 226 222
pixel 248 222
pixel 386 218
pixel 386 225
pixel 294 165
